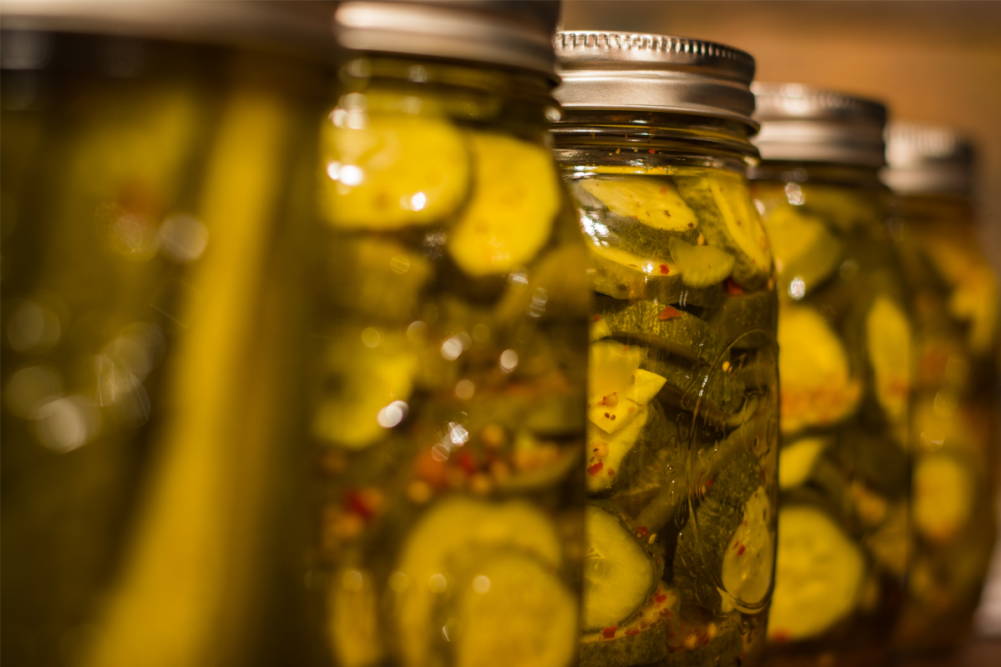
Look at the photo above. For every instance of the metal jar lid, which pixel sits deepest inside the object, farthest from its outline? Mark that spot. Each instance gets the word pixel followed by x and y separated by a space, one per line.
pixel 642 72
pixel 927 159
pixel 296 28
pixel 491 32
pixel 804 124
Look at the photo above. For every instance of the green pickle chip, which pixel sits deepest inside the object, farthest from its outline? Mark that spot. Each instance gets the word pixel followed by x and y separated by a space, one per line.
pixel 806 253
pixel 510 215
pixel 701 265
pixel 652 201
pixel 393 172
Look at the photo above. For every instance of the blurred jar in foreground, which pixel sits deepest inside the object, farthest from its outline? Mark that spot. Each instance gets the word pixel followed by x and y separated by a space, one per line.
pixel 683 388
pixel 450 347
pixel 149 208
pixel 955 422
pixel 845 369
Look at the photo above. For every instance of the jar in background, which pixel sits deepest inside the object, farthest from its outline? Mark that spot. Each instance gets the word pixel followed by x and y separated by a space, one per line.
pixel 149 208
pixel 845 368
pixel 955 422
pixel 682 439
pixel 450 347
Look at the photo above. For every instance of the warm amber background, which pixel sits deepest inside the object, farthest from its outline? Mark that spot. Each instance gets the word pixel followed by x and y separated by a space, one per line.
pixel 934 61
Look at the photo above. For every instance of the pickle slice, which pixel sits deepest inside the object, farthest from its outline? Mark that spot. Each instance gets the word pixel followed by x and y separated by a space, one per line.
pixel 620 572
pixel 714 395
pixel 514 202
pixel 806 253
pixel 798 459
pixel 605 451
pixel 623 275
pixel 842 206
pixel 750 556
pixel 661 326
pixel 818 575
pixel 729 220
pixel 394 172
pixel 617 387
pixel 747 320
pixel 889 337
pixel 652 201
pixel 943 496
pixel 701 265
pixel 452 534
pixel 641 641
pixel 816 386
pixel 514 612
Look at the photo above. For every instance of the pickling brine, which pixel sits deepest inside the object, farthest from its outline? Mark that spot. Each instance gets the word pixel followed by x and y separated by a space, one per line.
pixel 450 352
pixel 682 439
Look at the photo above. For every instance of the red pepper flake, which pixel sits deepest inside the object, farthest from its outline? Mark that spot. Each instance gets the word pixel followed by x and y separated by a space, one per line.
pixel 691 224
pixel 356 502
pixel 595 469
pixel 671 634
pixel 669 313
pixel 659 597
pixel 664 190
pixel 642 531
pixel 740 551
pixel 664 269
pixel 596 318
pixel 651 151
pixel 732 288
pixel 709 483
pixel 611 473
pixel 609 632
pixel 632 631
pixel 466 462
pixel 780 636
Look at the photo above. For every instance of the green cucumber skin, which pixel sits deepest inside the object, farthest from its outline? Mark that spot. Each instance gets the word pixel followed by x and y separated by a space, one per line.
pixel 643 472
pixel 747 320
pixel 682 333
pixel 721 394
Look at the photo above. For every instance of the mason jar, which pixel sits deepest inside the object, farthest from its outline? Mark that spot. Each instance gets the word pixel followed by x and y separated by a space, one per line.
pixel 449 346
pixel 149 208
pixel 845 366
pixel 955 422
pixel 682 438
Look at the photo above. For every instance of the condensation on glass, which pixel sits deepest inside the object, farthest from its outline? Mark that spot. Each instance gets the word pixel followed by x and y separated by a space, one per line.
pixel 845 334
pixel 449 347
pixel 147 202
pixel 682 439
pixel 955 421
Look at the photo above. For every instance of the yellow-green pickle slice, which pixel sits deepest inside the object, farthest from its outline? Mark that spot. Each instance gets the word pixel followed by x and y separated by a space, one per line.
pixel 889 336
pixel 818 575
pixel 393 172
pixel 458 541
pixel 510 215
pixel 806 253
pixel 652 201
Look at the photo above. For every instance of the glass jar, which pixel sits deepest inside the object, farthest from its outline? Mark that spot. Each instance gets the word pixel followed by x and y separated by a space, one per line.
pixel 683 388
pixel 148 199
pixel 447 419
pixel 955 421
pixel 845 369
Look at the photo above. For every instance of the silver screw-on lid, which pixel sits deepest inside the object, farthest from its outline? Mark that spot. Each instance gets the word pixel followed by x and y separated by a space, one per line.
pixel 301 28
pixel 493 32
pixel 927 159
pixel 642 72
pixel 801 123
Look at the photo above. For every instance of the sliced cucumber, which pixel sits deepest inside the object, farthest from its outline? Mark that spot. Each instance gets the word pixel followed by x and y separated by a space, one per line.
pixel 888 333
pixel 455 534
pixel 750 556
pixel 630 459
pixel 944 489
pixel 623 275
pixel 615 398
pixel 701 265
pixel 598 329
pixel 620 571
pixel 655 202
pixel 394 172
pixel 806 252
pixel 606 451
pixel 641 641
pixel 817 388
pixel 747 320
pixel 818 576
pixel 362 380
pixel 730 221
pixel 660 326
pixel 798 459
pixel 510 215
pixel 514 611
pixel 843 206
pixel 713 395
